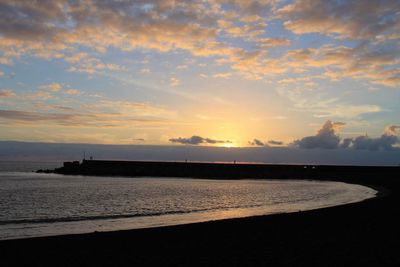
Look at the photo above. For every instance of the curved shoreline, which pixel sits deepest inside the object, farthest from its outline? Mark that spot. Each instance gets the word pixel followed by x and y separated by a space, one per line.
pixel 308 237
pixel 348 193
pixel 204 222
pixel 365 233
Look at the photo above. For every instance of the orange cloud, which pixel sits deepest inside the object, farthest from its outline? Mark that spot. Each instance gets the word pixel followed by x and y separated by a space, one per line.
pixel 6 93
pixel 273 42
pixel 52 87
pixel 347 19
pixel 60 29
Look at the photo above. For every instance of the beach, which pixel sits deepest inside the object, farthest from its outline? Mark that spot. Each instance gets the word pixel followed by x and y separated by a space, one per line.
pixel 358 234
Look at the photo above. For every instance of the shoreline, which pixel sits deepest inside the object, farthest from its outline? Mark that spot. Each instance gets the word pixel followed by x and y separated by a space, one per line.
pixel 365 233
pixel 253 217
pixel 123 223
pixel 208 218
pixel 304 237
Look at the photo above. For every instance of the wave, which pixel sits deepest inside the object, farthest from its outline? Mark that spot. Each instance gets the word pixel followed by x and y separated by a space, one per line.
pixel 114 216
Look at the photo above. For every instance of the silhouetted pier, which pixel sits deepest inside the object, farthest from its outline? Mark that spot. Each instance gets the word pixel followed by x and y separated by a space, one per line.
pixel 227 170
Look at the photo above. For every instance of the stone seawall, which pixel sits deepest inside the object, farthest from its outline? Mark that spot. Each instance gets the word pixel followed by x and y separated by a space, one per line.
pixel 227 170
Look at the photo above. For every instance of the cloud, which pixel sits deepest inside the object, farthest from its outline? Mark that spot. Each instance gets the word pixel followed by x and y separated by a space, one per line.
pixel 315 100
pixel 385 142
pixel 256 142
pixel 74 113
pixel 275 143
pixel 250 30
pixel 325 138
pixel 63 152
pixel 273 42
pixel 53 87
pixel 375 63
pixel 182 67
pixel 145 71
pixel 392 129
pixel 72 92
pixel 196 140
pixel 5 61
pixel 223 75
pixel 344 111
pixel 63 25
pixel 6 93
pixel 174 82
pixel 47 107
pixel 75 119
pixel 255 65
pixel 62 29
pixel 34 116
pixel 93 111
pixel 131 108
pixel 346 19
pixel 346 142
pixel 76 57
pixel 376 55
pixel 92 65
pixel 389 81
pixel 252 7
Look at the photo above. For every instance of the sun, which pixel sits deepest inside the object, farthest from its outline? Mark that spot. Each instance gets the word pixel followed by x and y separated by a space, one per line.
pixel 229 145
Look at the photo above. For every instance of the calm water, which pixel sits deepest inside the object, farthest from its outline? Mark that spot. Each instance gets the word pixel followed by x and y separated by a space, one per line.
pixel 48 204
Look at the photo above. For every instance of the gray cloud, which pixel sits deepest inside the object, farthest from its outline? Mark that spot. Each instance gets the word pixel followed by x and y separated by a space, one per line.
pixel 275 143
pixel 256 142
pixel 326 137
pixel 196 140
pixel 251 6
pixel 30 20
pixel 346 142
pixel 385 142
pixel 349 19
pixel 34 116
pixel 73 119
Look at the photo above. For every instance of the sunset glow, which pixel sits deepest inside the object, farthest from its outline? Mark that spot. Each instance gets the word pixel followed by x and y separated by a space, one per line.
pixel 208 73
pixel 230 145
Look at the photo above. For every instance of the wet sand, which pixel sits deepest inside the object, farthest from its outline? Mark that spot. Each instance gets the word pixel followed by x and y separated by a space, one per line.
pixel 358 234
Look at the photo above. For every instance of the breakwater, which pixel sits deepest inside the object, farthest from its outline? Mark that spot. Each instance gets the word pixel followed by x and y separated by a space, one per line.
pixel 226 170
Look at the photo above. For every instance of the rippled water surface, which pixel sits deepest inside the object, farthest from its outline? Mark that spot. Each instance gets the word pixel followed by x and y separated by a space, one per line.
pixel 48 204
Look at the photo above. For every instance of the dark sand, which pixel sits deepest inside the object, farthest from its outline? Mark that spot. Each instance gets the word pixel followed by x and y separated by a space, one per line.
pixel 359 234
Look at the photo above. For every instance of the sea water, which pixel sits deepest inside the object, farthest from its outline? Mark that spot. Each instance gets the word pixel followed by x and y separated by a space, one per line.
pixel 34 204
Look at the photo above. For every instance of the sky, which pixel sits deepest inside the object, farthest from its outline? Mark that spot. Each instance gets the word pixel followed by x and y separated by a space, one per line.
pixel 304 74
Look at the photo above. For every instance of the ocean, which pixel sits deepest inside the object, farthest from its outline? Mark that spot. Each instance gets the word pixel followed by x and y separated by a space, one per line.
pixel 34 204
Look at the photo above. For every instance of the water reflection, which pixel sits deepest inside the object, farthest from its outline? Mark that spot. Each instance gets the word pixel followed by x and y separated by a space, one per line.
pixel 35 205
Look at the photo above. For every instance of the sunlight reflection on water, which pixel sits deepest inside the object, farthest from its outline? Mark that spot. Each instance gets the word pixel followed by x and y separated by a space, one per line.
pixel 48 204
